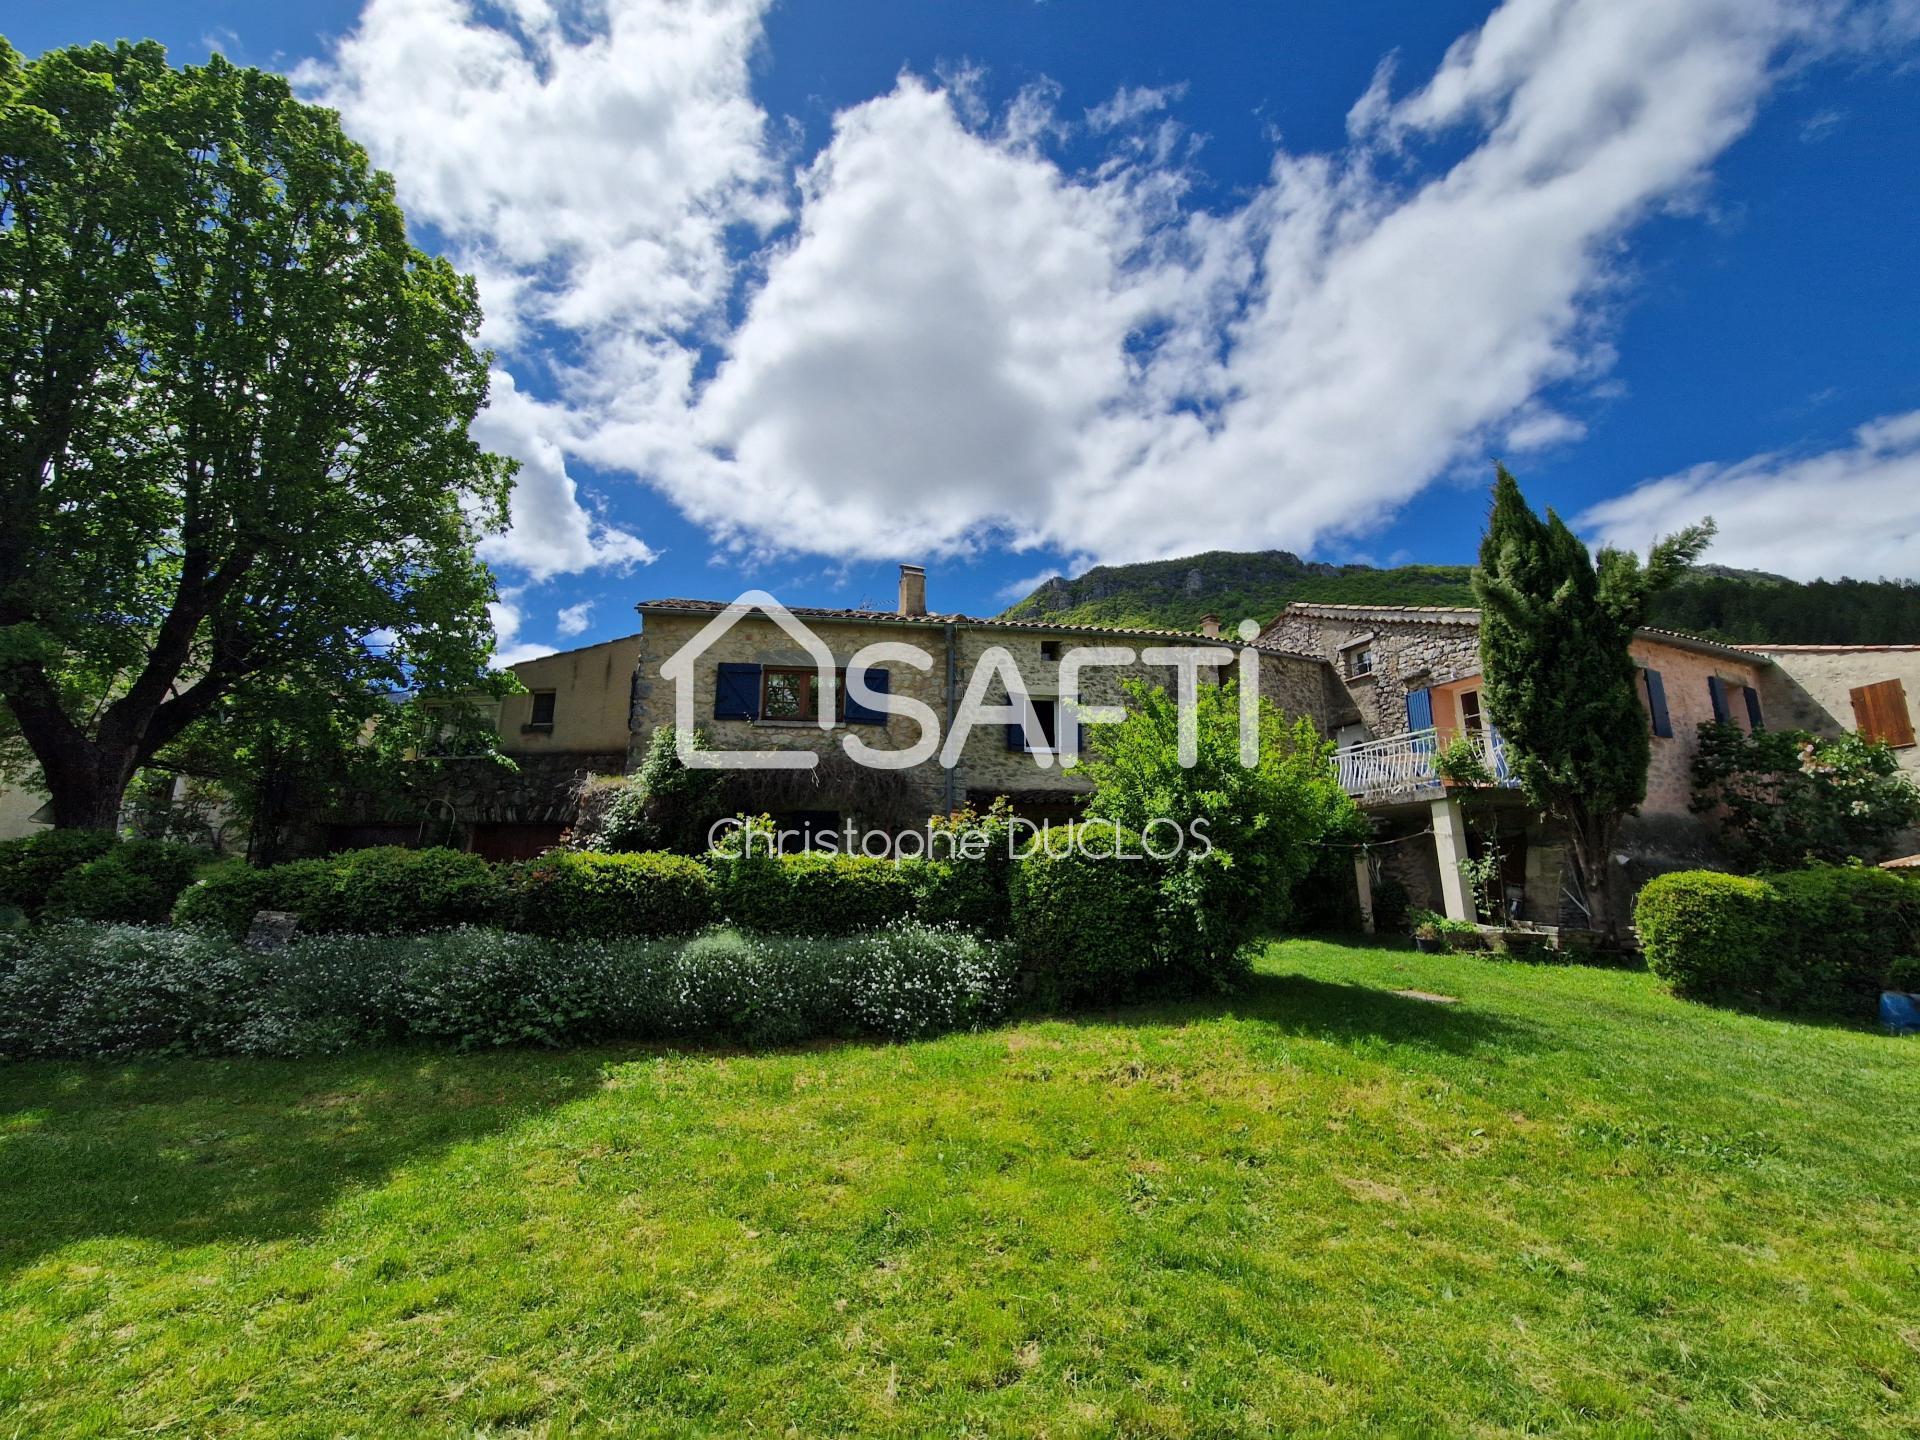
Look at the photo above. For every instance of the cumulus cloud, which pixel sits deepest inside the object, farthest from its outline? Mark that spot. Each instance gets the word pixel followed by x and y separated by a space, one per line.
pixel 941 337
pixel 1853 510
pixel 574 619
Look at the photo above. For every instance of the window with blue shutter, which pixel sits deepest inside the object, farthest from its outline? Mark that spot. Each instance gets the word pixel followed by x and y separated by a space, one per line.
pixel 736 692
pixel 1717 690
pixel 1419 710
pixel 858 714
pixel 1016 736
pixel 1657 703
pixel 1753 709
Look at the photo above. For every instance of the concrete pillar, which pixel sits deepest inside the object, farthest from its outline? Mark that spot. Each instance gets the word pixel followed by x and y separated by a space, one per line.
pixel 1363 882
pixel 1450 846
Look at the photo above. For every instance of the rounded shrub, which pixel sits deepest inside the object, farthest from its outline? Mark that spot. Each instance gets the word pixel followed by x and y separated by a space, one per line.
pixel 225 898
pixel 391 890
pixel 1712 936
pixel 31 866
pixel 134 883
pixel 583 894
pixel 1085 921
pixel 1850 927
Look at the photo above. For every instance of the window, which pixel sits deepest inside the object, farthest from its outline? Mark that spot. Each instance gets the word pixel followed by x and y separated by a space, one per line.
pixel 789 694
pixel 1472 722
pixel 1880 713
pixel 1049 649
pixel 1359 661
pixel 1044 736
pixel 542 717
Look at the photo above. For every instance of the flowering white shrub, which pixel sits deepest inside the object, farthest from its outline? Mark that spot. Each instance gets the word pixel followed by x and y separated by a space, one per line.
pixel 106 990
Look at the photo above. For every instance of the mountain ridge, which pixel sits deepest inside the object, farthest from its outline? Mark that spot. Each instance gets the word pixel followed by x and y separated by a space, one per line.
pixel 1717 601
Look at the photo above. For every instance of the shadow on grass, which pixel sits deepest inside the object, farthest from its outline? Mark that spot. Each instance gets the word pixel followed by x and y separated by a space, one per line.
pixel 1339 1012
pixel 190 1152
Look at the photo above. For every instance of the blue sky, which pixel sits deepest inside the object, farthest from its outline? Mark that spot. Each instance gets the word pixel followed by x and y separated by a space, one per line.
pixel 785 294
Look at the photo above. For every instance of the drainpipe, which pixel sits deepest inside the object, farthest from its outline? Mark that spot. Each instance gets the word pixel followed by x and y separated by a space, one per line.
pixel 953 681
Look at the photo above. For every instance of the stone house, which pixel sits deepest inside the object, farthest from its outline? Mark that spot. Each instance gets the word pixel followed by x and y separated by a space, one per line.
pixel 754 688
pixel 1407 681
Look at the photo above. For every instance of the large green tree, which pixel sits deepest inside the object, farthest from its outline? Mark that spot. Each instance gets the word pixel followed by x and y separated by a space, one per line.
pixel 236 404
pixel 1555 624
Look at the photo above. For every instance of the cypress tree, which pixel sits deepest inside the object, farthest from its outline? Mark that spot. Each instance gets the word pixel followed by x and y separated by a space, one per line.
pixel 1555 624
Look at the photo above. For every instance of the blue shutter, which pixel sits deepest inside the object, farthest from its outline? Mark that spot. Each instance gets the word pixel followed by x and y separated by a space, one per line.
pixel 1419 710
pixel 736 692
pixel 858 714
pixel 1753 708
pixel 1657 704
pixel 1717 689
pixel 1016 737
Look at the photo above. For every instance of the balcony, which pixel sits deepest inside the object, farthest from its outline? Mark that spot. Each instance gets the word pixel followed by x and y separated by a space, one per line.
pixel 1400 767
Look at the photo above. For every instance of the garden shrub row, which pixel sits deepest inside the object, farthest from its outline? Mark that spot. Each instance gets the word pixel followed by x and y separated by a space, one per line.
pixel 90 875
pixel 1827 938
pixel 105 991
pixel 1087 925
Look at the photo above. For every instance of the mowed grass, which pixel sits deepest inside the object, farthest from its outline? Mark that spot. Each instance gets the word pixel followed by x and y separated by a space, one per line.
pixel 1566 1204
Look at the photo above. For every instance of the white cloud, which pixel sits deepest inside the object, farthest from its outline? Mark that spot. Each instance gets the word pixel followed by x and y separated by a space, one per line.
pixel 574 619
pixel 1130 104
pixel 1851 511
pixel 963 343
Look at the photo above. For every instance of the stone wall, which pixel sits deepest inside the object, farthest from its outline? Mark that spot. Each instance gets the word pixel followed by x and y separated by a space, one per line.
pixel 986 766
pixel 1414 651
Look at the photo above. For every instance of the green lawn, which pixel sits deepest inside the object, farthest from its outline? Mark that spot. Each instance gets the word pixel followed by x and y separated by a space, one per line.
pixel 1568 1203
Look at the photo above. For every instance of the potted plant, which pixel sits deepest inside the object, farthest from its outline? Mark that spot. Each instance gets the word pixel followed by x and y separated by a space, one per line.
pixel 1429 931
pixel 1460 765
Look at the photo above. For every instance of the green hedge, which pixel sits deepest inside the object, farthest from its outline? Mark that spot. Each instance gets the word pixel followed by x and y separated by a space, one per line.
pixel 135 882
pixel 1086 926
pixel 585 894
pixel 388 890
pixel 1827 938
pixel 812 894
pixel 109 991
pixel 32 866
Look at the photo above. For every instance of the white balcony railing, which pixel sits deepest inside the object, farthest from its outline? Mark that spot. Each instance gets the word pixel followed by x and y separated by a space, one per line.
pixel 1402 765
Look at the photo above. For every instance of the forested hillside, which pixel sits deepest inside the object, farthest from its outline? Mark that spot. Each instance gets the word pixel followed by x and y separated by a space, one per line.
pixel 1737 605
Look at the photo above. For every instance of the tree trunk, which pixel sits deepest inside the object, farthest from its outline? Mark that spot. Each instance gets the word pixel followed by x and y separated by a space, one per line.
pixel 1593 858
pixel 87 789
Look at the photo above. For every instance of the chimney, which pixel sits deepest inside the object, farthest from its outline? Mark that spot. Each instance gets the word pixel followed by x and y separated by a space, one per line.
pixel 913 589
pixel 1210 626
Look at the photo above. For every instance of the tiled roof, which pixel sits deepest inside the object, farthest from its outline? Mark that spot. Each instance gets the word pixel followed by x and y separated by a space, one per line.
pixel 1466 615
pixel 971 622
pixel 1768 648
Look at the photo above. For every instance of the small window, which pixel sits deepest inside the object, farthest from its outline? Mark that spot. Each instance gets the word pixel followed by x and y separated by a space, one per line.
pixel 1359 662
pixel 1047 736
pixel 1471 720
pixel 543 703
pixel 1049 649
pixel 789 695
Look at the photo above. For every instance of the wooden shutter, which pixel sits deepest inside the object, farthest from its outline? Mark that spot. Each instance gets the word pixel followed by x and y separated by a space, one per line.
pixel 858 714
pixel 736 692
pixel 1717 691
pixel 1657 703
pixel 1753 709
pixel 1880 713
pixel 1419 709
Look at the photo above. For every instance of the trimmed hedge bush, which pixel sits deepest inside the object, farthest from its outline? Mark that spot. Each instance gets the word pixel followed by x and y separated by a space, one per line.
pixel 812 894
pixel 1828 938
pixel 135 882
pixel 31 866
pixel 388 890
pixel 1086 925
pixel 587 894
pixel 93 990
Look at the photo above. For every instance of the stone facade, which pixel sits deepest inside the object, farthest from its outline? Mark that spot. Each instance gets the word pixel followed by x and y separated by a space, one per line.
pixel 1412 649
pixel 986 766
